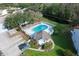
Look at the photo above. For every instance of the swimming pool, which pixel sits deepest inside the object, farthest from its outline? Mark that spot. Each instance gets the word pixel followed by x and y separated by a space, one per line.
pixel 39 28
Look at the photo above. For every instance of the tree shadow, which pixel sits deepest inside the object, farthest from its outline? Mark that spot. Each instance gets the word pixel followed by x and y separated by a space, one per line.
pixel 59 52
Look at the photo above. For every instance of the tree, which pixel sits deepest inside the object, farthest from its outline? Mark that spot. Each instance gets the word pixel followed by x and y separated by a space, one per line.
pixel 75 22
pixel 58 10
pixel 24 5
pixel 15 20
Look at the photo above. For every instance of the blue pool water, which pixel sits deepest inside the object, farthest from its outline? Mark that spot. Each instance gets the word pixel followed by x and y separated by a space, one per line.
pixel 40 28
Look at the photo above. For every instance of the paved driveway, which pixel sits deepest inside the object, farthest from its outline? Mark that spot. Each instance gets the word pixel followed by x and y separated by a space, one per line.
pixel 9 45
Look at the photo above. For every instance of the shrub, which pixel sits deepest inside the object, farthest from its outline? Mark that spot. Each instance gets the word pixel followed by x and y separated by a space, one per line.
pixel 68 53
pixel 33 44
pixel 48 46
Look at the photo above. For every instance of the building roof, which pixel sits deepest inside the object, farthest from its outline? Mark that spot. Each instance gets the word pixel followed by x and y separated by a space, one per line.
pixel 75 38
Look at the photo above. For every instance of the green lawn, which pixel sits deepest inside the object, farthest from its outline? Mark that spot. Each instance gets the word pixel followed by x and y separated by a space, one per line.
pixel 61 40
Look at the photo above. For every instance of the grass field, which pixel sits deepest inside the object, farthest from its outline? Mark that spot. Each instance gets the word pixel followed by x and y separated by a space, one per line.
pixel 61 41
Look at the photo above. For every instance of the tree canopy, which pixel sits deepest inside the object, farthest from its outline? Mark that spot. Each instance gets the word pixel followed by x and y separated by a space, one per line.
pixel 61 10
pixel 15 20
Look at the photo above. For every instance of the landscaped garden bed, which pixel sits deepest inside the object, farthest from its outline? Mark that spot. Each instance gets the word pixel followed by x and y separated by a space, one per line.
pixel 47 46
pixel 34 44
